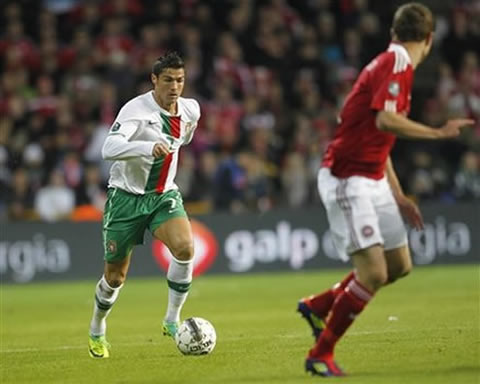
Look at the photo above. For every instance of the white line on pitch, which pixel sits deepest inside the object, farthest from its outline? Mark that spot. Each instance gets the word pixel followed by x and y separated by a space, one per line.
pixel 228 338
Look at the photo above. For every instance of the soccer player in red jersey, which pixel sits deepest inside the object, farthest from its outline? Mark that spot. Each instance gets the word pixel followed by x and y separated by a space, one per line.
pixel 360 190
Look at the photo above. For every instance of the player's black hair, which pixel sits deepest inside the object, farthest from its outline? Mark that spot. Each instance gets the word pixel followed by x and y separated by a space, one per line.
pixel 169 60
pixel 412 22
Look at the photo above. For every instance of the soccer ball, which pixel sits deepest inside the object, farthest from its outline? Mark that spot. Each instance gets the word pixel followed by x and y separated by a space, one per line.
pixel 196 336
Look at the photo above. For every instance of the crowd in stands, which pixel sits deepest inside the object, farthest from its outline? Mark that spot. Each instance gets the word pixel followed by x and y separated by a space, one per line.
pixel 270 76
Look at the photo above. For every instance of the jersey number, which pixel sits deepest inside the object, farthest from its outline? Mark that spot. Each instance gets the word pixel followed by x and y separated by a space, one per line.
pixel 174 204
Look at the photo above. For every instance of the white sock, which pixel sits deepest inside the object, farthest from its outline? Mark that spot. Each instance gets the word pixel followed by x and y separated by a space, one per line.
pixel 179 278
pixel 105 296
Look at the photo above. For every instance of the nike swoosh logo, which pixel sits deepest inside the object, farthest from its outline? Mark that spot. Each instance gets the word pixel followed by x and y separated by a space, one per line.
pixel 95 354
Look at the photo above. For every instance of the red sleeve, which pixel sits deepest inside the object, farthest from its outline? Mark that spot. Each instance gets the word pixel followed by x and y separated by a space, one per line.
pixel 388 88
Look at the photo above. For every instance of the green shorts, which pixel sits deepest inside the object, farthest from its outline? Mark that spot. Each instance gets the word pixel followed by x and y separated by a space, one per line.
pixel 127 216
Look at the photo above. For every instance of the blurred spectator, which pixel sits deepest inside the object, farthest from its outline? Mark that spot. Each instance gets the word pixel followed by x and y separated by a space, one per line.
pixel 460 38
pixel 429 176
pixel 55 201
pixel 295 180
pixel 204 178
pixel 20 196
pixel 33 160
pixel 231 183
pixel 271 76
pixel 467 178
pixel 92 190
pixel 5 180
pixel 465 100
pixel 185 178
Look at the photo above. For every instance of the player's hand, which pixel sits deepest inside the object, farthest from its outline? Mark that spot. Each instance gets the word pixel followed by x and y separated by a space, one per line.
pixel 453 127
pixel 160 149
pixel 410 212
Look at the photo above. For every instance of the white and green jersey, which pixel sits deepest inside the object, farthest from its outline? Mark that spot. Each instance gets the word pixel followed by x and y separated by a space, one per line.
pixel 139 125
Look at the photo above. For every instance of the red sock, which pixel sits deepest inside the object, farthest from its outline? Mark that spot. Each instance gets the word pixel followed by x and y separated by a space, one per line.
pixel 346 307
pixel 322 303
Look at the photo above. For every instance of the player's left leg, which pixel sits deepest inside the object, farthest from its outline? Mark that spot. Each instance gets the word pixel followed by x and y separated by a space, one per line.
pixel 351 206
pixel 176 234
pixel 371 275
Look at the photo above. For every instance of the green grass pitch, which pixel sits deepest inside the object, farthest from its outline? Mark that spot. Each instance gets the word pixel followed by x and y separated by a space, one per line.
pixel 423 329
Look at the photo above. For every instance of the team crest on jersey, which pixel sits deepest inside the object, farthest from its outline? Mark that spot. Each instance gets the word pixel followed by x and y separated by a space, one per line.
pixel 115 127
pixel 112 246
pixel 394 88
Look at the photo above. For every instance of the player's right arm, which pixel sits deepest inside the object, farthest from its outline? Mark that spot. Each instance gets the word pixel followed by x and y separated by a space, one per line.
pixel 118 146
pixel 402 126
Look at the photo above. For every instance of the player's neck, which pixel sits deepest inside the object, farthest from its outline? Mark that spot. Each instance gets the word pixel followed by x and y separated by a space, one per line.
pixel 170 108
pixel 415 51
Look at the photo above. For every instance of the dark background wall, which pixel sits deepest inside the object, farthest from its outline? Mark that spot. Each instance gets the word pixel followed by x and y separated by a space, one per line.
pixel 280 240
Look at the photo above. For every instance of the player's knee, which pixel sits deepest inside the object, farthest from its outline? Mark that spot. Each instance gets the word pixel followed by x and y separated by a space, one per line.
pixel 184 250
pixel 115 279
pixel 377 279
pixel 399 271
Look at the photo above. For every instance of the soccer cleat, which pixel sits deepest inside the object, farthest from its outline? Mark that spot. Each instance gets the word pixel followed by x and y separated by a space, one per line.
pixel 170 328
pixel 316 323
pixel 98 347
pixel 323 367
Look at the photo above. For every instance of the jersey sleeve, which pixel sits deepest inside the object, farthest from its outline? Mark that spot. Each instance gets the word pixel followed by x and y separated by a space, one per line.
pixel 125 129
pixel 389 85
pixel 194 111
pixel 116 147
pixel 127 121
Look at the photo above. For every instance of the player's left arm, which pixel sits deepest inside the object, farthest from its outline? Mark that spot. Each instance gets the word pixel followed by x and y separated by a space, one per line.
pixel 407 207
pixel 187 139
pixel 189 134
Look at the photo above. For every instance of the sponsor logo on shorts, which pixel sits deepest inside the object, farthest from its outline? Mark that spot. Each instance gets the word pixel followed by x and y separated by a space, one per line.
pixel 367 231
pixel 205 244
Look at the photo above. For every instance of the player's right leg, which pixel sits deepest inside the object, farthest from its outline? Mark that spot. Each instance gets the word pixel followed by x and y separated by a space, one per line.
pixel 123 227
pixel 106 293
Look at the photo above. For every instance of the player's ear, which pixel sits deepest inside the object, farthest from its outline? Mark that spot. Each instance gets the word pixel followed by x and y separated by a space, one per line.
pixel 430 38
pixel 428 42
pixel 153 78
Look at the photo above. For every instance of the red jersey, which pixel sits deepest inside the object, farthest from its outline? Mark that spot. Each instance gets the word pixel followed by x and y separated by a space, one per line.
pixel 359 148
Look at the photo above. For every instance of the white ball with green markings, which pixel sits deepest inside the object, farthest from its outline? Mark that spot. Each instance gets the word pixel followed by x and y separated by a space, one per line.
pixel 196 336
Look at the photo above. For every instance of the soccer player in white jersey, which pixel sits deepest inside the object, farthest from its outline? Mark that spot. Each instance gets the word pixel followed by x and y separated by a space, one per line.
pixel 144 142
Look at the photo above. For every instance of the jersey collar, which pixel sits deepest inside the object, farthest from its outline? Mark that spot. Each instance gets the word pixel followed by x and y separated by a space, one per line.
pixel 400 49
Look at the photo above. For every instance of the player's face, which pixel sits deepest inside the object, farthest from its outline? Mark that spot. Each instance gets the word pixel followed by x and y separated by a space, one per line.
pixel 168 85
